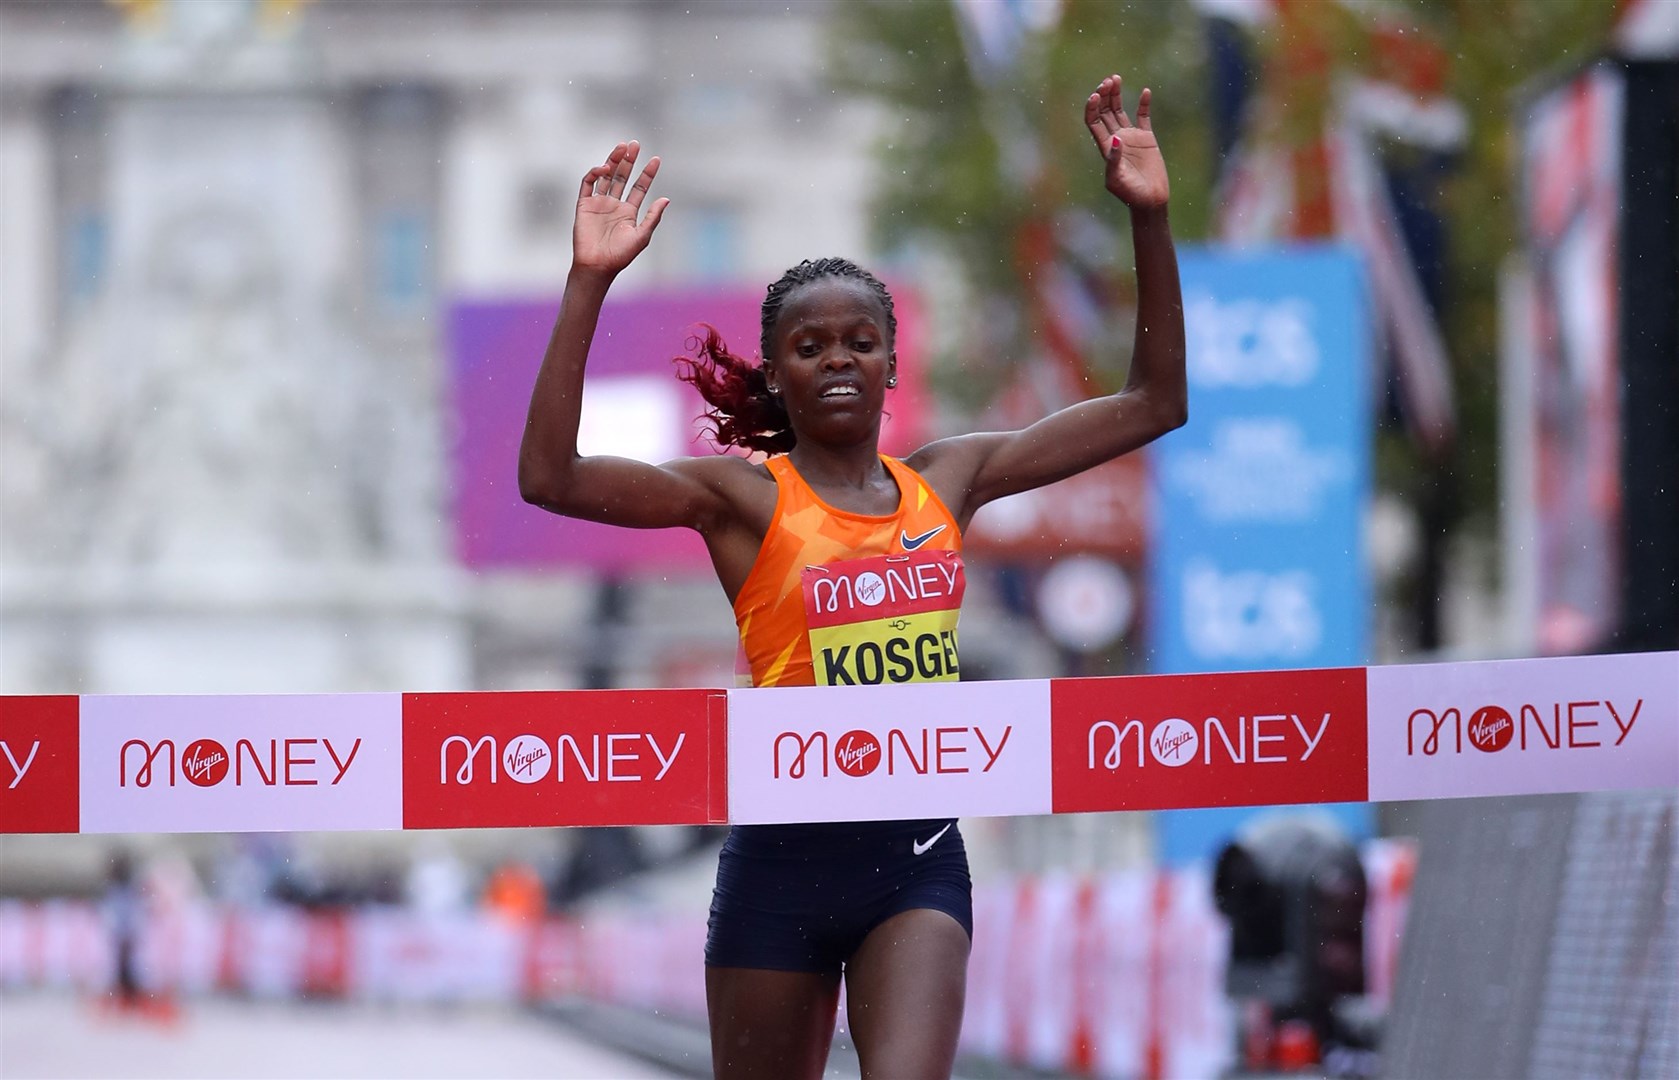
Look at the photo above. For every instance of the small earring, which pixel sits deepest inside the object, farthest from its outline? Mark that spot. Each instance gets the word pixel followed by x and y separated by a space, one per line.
pixel 775 389
pixel 891 381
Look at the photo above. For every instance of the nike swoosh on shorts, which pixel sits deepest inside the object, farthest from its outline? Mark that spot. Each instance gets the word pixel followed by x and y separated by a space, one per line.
pixel 910 543
pixel 921 848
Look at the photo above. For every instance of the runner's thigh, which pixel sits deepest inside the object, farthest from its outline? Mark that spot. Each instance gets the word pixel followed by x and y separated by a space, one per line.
pixel 770 1024
pixel 904 994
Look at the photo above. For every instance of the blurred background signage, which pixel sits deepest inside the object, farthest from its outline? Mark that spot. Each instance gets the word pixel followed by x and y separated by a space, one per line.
pixel 1563 381
pixel 633 406
pixel 1257 557
pixel 1258 552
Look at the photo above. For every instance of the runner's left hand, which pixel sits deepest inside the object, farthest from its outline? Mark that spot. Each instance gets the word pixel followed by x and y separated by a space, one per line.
pixel 1136 172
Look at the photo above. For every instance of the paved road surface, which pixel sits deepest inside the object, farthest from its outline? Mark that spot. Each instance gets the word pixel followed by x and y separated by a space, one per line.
pixel 63 1036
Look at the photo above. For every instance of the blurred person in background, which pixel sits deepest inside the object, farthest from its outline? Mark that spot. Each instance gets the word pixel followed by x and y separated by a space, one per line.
pixel 885 904
pixel 124 911
pixel 515 893
pixel 146 910
pixel 247 877
pixel 438 883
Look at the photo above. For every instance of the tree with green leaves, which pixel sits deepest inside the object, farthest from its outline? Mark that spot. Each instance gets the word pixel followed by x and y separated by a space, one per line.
pixel 951 184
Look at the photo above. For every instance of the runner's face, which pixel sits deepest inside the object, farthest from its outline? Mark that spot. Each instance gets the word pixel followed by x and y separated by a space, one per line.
pixel 832 358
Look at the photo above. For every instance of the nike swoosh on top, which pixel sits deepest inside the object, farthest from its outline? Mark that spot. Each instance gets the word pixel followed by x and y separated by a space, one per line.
pixel 910 543
pixel 921 848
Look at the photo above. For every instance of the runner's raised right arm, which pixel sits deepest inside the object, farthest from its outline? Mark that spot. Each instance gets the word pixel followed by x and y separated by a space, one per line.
pixel 606 238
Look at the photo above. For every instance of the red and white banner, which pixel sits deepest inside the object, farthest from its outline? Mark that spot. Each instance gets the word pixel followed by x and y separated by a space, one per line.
pixel 873 753
pixel 39 764
pixel 848 753
pixel 251 763
pixel 1244 739
pixel 586 757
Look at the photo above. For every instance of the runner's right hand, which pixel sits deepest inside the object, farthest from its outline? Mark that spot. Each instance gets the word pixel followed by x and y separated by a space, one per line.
pixel 606 237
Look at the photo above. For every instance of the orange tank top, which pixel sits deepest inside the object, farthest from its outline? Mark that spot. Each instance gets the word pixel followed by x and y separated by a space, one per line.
pixel 836 598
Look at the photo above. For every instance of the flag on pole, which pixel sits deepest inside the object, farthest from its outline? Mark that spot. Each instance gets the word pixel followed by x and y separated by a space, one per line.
pixel 1648 30
pixel 993 32
pixel 1365 215
pixel 1338 185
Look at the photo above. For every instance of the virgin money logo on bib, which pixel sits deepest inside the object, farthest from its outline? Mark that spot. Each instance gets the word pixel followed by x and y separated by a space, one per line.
pixel 889 619
pixel 870 589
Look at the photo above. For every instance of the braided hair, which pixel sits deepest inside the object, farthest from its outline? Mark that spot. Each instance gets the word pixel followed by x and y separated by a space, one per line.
pixel 742 410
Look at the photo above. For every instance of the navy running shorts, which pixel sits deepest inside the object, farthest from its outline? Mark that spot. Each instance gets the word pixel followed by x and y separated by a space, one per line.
pixel 803 897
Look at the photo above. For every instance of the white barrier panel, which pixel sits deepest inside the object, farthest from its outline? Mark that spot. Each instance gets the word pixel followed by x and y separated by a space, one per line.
pixel 241 764
pixel 1524 727
pixel 889 752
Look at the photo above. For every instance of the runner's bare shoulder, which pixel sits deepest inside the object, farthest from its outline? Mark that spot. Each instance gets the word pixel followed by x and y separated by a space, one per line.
pixel 746 486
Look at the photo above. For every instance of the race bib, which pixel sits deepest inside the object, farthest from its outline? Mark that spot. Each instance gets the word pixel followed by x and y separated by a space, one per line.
pixel 887 619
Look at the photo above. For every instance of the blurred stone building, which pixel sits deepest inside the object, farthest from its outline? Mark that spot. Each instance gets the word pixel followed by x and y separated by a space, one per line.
pixel 229 231
pixel 230 228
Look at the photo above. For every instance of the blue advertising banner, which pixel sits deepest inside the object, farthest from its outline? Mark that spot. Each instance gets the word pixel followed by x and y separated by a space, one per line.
pixel 1257 555
pixel 1257 559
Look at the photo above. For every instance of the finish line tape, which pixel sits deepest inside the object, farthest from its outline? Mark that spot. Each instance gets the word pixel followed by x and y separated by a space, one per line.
pixel 256 763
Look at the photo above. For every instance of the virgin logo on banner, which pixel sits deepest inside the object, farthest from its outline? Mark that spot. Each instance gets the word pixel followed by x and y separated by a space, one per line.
pixel 1514 727
pixel 39 737
pixel 870 753
pixel 1242 739
pixel 248 763
pixel 577 757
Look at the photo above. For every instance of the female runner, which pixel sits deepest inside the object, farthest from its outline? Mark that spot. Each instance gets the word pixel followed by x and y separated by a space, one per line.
pixel 885 904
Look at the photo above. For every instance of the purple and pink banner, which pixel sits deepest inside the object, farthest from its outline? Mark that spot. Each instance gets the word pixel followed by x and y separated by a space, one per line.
pixel 633 405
